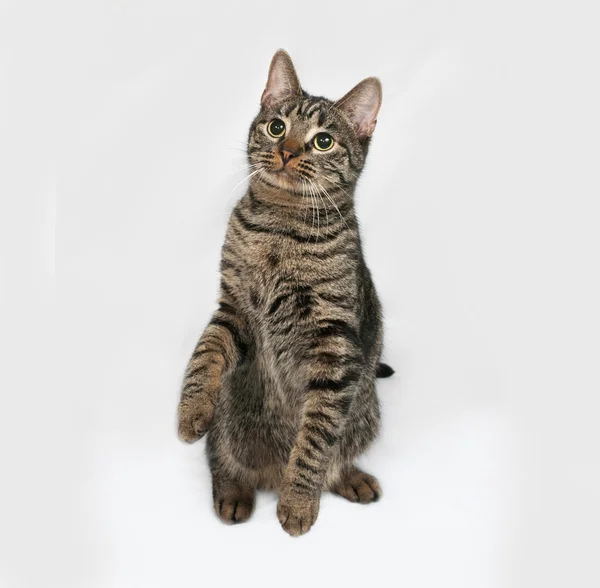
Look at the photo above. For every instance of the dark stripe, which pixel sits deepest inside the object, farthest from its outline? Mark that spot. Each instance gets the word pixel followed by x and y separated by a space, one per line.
pixel 195 371
pixel 304 477
pixel 289 109
pixel 340 402
pixel 312 109
pixel 343 248
pixel 280 329
pixel 225 264
pixel 321 433
pixel 255 204
pixel 334 385
pixel 303 486
pixel 341 301
pixel 229 249
pixel 277 303
pixel 191 387
pixel 256 228
pixel 331 359
pixel 335 277
pixel 235 334
pixel 306 166
pixel 227 289
pixel 304 299
pixel 314 444
pixel 305 303
pixel 338 328
pixel 197 354
pixel 305 466
pixel 312 454
pixel 227 308
pixel 218 348
pixel 317 415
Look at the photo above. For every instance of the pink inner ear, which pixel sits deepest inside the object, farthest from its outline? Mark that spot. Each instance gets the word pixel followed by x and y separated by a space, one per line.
pixel 361 105
pixel 278 87
pixel 283 81
pixel 367 129
pixel 365 111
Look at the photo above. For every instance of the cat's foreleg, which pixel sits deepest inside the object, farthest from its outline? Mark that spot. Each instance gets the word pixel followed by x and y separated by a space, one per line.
pixel 222 345
pixel 334 368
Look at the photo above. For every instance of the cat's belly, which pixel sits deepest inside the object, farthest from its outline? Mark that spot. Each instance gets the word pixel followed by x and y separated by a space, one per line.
pixel 256 419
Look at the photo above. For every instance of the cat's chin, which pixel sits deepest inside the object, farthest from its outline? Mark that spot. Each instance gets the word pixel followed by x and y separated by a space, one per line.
pixel 284 181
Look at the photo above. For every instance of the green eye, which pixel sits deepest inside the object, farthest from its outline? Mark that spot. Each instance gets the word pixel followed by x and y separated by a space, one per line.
pixel 323 141
pixel 276 128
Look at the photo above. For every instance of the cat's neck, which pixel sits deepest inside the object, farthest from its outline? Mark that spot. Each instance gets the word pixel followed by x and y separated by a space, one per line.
pixel 279 204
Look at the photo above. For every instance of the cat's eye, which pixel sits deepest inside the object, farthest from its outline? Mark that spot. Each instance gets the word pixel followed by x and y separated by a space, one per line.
pixel 323 141
pixel 276 128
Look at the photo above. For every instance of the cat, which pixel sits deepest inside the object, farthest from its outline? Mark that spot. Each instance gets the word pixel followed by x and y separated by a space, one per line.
pixel 283 377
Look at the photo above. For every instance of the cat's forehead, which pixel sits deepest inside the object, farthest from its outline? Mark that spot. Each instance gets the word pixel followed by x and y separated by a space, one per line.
pixel 307 112
pixel 306 109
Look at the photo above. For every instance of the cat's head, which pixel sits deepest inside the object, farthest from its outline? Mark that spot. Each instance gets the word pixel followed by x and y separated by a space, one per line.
pixel 300 142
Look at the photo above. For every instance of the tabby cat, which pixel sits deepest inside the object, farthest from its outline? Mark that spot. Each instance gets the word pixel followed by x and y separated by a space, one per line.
pixel 283 378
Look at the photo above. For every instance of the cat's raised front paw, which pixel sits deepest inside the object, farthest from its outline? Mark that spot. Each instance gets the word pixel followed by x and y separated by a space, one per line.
pixel 195 418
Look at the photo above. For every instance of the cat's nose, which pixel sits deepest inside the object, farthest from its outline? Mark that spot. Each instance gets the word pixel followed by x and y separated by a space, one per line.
pixel 287 155
pixel 289 149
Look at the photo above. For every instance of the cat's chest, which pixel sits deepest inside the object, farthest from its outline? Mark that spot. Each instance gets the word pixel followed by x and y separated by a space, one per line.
pixel 271 264
pixel 279 279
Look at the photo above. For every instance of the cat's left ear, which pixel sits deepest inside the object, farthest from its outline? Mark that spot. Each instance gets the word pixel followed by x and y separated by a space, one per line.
pixel 361 105
pixel 283 82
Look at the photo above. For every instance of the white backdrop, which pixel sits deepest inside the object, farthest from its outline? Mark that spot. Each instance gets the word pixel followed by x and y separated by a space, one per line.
pixel 122 124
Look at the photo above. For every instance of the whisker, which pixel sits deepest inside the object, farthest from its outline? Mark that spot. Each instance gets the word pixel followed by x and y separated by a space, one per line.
pixel 312 201
pixel 246 178
pixel 323 202
pixel 245 167
pixel 304 198
pixel 333 202
pixel 318 209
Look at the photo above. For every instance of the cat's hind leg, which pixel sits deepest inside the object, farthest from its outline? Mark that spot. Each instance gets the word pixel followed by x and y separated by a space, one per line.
pixel 233 500
pixel 357 486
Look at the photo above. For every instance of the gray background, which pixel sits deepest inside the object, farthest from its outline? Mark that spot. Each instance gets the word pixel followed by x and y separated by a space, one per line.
pixel 122 125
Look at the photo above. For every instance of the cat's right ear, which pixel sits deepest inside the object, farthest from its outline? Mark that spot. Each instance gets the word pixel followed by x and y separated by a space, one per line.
pixel 283 82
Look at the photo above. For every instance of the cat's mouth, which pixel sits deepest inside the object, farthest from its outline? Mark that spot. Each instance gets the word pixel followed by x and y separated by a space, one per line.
pixel 292 176
pixel 295 176
pixel 285 178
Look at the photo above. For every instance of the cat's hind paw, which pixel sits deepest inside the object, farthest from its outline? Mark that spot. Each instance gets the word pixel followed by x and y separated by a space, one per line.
pixel 358 487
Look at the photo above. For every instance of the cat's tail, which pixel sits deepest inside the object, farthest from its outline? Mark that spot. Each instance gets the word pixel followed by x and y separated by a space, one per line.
pixel 384 371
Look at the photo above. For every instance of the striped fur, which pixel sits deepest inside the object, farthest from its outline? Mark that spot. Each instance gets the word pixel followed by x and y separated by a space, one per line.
pixel 283 378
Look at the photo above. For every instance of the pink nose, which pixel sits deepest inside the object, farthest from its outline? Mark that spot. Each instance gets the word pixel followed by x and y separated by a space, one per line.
pixel 289 149
pixel 286 155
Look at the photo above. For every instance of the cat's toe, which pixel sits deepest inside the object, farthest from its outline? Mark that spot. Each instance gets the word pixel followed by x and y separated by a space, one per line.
pixel 359 487
pixel 192 431
pixel 234 509
pixel 195 419
pixel 297 515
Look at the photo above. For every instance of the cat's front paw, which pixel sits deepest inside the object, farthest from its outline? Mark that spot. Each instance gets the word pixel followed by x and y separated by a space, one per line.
pixel 195 417
pixel 297 512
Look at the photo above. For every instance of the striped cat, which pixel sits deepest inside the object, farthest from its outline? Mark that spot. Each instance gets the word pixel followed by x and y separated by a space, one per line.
pixel 283 378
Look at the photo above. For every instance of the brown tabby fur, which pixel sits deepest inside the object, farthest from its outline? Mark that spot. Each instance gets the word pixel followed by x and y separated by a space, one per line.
pixel 283 378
